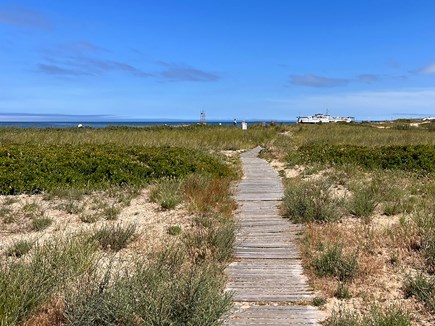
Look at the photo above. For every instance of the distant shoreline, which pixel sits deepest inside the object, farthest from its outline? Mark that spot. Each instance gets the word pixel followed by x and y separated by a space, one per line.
pixel 103 124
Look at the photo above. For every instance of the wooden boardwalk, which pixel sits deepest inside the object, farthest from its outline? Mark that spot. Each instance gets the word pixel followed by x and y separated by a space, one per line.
pixel 266 276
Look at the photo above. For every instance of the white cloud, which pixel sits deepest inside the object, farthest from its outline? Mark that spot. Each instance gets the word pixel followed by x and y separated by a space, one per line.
pixel 428 70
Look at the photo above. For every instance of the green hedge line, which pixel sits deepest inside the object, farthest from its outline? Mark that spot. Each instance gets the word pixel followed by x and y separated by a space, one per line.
pixel 36 168
pixel 412 157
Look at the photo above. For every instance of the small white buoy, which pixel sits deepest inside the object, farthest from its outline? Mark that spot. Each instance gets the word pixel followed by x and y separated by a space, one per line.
pixel 79 125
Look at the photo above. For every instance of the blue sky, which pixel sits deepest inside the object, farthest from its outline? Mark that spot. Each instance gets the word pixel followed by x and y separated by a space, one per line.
pixel 250 59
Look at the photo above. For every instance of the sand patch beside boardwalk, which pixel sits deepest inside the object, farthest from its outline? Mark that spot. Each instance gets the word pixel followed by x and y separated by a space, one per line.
pixel 151 222
pixel 385 257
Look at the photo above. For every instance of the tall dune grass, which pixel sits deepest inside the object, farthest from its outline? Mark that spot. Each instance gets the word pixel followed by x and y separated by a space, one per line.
pixel 361 135
pixel 194 137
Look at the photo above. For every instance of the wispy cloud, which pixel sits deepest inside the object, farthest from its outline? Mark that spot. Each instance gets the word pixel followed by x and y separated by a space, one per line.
pixel 82 66
pixel 24 17
pixel 427 70
pixel 51 69
pixel 309 80
pixel 368 78
pixel 182 72
pixel 102 65
pixel 317 81
pixel 85 58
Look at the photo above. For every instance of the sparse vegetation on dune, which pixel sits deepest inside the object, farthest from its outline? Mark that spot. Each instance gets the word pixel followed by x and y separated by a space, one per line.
pixel 379 248
pixel 91 181
pixel 85 278
pixel 368 240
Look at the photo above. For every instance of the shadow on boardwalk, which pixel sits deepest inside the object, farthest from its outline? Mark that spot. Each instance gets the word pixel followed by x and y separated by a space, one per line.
pixel 266 276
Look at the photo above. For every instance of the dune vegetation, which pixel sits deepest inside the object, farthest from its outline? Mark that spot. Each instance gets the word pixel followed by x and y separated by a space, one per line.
pixel 366 195
pixel 118 226
pixel 134 226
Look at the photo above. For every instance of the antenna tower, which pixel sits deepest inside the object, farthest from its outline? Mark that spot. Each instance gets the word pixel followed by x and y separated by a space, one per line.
pixel 202 118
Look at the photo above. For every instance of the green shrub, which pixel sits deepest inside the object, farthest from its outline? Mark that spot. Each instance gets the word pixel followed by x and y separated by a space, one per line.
pixel 41 223
pixel 423 288
pixel 420 158
pixel 35 168
pixel 166 192
pixel 310 201
pixel 19 248
pixel 115 237
pixel 332 262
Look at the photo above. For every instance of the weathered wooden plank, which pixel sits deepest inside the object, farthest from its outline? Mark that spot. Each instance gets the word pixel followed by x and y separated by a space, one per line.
pixel 267 264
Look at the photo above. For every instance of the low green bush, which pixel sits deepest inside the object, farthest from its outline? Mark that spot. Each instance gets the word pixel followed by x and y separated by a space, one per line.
pixel 419 158
pixel 332 262
pixel 310 201
pixel 29 168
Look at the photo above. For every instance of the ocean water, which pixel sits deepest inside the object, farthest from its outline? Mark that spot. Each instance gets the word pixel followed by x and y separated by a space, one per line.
pixel 103 124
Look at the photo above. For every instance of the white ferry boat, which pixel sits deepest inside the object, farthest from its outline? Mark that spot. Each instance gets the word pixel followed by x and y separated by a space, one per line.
pixel 324 118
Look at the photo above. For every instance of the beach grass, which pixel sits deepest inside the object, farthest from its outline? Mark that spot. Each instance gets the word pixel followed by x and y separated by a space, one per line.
pixel 380 180
pixel 179 284
pixel 192 137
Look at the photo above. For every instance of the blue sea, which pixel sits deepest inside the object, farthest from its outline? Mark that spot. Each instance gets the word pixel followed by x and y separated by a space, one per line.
pixel 103 124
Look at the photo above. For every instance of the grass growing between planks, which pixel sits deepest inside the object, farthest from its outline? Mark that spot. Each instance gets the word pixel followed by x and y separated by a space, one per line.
pixel 379 247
